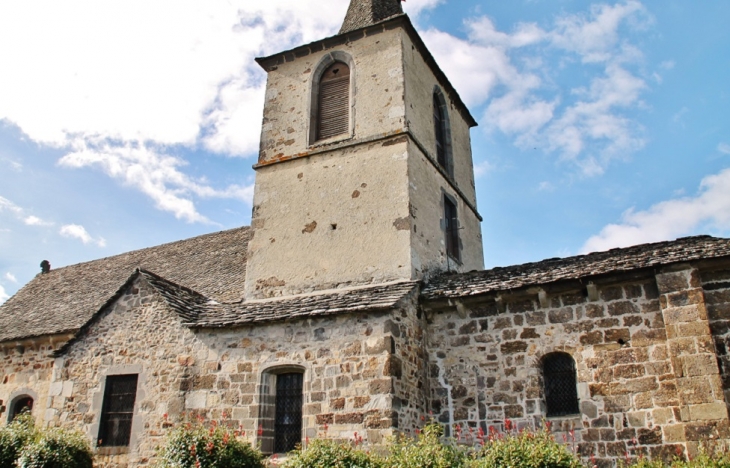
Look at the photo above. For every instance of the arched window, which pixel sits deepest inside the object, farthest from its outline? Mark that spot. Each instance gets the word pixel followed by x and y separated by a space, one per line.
pixel 333 102
pixel 280 414
pixel 21 404
pixel 561 393
pixel 442 131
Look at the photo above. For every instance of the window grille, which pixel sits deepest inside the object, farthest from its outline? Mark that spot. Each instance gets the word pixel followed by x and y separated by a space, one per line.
pixel 561 394
pixel 115 426
pixel 451 224
pixel 288 421
pixel 439 125
pixel 334 101
pixel 22 404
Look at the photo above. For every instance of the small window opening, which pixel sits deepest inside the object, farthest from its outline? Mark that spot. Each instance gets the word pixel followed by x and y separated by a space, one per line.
pixel 115 426
pixel 333 116
pixel 451 225
pixel 333 226
pixel 561 393
pixel 288 420
pixel 21 405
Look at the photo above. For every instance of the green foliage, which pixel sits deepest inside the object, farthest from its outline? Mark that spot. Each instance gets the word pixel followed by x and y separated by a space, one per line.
pixel 425 451
pixel 14 437
pixel 525 449
pixel 196 446
pixel 324 453
pixel 56 448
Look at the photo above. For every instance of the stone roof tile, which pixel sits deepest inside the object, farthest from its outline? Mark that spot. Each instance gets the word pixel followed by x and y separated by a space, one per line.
pixel 363 13
pixel 581 266
pixel 64 299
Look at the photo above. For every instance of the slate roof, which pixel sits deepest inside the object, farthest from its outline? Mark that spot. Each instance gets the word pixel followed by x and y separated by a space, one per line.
pixel 198 311
pixel 594 264
pixel 64 299
pixel 363 13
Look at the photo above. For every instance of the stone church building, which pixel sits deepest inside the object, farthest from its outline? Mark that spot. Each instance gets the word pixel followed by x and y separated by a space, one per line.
pixel 357 300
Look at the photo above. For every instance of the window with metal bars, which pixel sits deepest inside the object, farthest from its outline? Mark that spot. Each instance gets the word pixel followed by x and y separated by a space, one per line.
pixel 561 393
pixel 333 115
pixel 115 425
pixel 288 419
pixel 451 226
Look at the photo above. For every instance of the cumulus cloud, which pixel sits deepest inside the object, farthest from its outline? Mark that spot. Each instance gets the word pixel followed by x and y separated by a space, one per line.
pixel 515 75
pixel 176 74
pixel 11 277
pixel 36 221
pixel 18 212
pixel 669 219
pixel 76 231
pixel 3 295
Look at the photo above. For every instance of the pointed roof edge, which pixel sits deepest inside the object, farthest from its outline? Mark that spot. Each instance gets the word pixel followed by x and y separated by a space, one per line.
pixel 362 13
pixel 271 62
pixel 154 280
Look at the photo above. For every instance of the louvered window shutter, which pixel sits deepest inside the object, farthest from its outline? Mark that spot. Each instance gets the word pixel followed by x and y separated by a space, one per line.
pixel 439 131
pixel 334 102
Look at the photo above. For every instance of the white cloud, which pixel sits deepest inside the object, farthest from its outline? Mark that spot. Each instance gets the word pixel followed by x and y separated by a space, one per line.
pixel 724 148
pixel 36 221
pixel 545 186
pixel 515 74
pixel 154 173
pixel 670 219
pixel 7 205
pixel 482 168
pixel 76 231
pixel 11 277
pixel 3 295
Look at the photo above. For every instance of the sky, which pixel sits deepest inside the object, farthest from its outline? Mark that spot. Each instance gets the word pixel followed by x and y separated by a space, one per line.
pixel 125 125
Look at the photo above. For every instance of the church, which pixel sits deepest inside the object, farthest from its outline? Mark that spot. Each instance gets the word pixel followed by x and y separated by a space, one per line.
pixel 357 301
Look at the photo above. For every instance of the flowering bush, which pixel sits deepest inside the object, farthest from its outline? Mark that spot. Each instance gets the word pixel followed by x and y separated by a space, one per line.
pixel 193 445
pixel 56 448
pixel 323 453
pixel 524 449
pixel 14 437
pixel 425 451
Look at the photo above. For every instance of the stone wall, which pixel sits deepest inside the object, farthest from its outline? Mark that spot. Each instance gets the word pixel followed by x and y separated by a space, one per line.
pixel 716 286
pixel 485 365
pixel 26 368
pixel 347 362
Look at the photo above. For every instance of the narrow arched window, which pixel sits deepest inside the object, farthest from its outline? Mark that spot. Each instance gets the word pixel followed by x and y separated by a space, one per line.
pixel 561 393
pixel 23 404
pixel 333 116
pixel 442 132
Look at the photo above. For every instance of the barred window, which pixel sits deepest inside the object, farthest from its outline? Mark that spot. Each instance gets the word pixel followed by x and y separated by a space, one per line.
pixel 333 116
pixel 115 426
pixel 280 411
pixel 451 226
pixel 561 393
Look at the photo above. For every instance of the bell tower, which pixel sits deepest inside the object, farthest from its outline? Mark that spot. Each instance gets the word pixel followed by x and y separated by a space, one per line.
pixel 365 171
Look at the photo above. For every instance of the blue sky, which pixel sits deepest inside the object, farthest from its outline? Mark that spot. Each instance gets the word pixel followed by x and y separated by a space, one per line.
pixel 129 124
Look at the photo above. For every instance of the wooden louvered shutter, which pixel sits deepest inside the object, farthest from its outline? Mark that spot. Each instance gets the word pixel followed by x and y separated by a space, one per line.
pixel 334 102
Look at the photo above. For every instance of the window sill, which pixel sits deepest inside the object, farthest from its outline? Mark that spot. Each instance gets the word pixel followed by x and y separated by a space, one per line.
pixel 112 450
pixel 331 140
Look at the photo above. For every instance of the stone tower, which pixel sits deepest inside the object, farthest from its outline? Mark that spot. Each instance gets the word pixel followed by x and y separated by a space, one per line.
pixel 365 170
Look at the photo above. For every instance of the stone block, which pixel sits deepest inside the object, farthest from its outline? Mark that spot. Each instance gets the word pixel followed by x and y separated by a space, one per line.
pixel 628 371
pixel 513 347
pixel 649 436
pixel 621 335
pixel 594 310
pixel 612 293
pixel 699 364
pixel 649 337
pixel 708 412
pixel 691 313
pixel 591 338
pixel 699 328
pixel 674 281
pixel 622 308
pixel 563 315
pixel 636 418
pixel 694 390
pixel 535 318
pixel 662 416
pixel 380 386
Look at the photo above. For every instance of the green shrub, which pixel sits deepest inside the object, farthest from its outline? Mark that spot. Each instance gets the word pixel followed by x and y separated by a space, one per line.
pixel 14 437
pixel 56 448
pixel 525 449
pixel 322 453
pixel 425 451
pixel 196 446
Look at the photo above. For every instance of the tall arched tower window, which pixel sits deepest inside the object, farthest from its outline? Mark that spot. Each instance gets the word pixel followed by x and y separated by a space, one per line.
pixel 333 103
pixel 442 131
pixel 561 393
